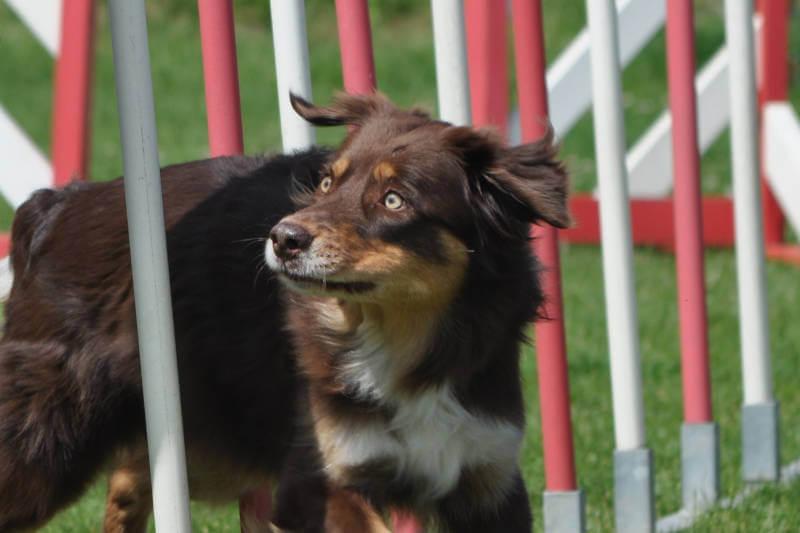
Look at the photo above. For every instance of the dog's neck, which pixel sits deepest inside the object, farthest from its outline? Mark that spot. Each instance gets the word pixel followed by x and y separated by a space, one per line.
pixel 377 347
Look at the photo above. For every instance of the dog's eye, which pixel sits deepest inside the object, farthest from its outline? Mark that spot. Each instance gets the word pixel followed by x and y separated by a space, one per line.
pixel 393 201
pixel 325 184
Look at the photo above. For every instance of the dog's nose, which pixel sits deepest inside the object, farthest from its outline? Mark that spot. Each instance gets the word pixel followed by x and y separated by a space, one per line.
pixel 288 239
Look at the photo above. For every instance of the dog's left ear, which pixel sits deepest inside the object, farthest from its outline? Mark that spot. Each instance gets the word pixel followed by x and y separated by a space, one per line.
pixel 529 175
pixel 346 108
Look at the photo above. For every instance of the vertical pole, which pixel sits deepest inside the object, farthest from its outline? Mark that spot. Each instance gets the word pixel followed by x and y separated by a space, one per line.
pixel 562 502
pixel 488 62
pixel 72 92
pixel 225 137
pixel 688 215
pixel 633 476
pixel 699 435
pixel 221 77
pixel 774 51
pixel 760 455
pixel 452 72
pixel 149 264
pixel 292 70
pixel 358 70
pixel 355 41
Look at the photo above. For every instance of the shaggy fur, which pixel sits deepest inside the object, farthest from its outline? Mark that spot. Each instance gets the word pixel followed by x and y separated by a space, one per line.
pixel 410 282
pixel 413 281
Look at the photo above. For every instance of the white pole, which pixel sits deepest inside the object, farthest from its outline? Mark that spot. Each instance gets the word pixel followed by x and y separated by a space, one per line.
pixel 754 328
pixel 609 136
pixel 452 73
pixel 149 264
pixel 291 70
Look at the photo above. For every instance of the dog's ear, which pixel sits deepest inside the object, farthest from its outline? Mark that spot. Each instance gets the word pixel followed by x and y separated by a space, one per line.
pixel 352 109
pixel 529 175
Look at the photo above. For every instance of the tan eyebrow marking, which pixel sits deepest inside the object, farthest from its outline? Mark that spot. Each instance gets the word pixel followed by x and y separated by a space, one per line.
pixel 340 166
pixel 384 171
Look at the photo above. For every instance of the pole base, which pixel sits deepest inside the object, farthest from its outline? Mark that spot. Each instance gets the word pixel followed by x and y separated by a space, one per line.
pixel 760 442
pixel 634 511
pixel 700 465
pixel 564 511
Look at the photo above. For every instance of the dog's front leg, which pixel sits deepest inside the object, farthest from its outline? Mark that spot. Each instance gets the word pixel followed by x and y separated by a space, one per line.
pixel 129 502
pixel 255 510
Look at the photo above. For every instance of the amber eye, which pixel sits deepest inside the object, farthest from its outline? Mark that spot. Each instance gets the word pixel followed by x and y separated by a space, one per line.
pixel 393 201
pixel 325 184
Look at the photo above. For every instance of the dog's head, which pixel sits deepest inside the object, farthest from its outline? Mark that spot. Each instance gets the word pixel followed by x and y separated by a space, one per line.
pixel 407 202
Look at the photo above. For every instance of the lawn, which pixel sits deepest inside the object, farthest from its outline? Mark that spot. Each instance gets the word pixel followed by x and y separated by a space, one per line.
pixel 405 71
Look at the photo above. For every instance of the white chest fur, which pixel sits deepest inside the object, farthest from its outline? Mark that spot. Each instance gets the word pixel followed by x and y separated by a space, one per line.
pixel 431 436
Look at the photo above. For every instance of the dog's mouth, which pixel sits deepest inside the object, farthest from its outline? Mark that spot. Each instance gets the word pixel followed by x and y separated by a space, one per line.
pixel 305 283
pixel 302 277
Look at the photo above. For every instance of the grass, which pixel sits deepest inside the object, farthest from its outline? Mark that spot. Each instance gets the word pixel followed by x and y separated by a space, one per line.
pixel 405 70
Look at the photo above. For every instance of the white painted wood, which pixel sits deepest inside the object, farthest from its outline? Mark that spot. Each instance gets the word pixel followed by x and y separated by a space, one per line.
pixel 292 70
pixel 43 17
pixel 23 167
pixel 145 212
pixel 568 79
pixel 782 147
pixel 750 269
pixel 650 159
pixel 6 278
pixel 452 73
pixel 615 224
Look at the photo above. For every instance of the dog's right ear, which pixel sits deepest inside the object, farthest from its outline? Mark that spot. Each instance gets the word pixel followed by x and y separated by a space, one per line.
pixel 351 109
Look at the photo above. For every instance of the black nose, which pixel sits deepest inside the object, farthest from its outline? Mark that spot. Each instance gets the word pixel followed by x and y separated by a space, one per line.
pixel 288 239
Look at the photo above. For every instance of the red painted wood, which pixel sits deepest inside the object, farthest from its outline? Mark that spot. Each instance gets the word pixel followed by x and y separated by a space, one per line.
pixel 488 62
pixel 221 76
pixel 5 244
pixel 355 41
pixel 773 86
pixel 652 222
pixel 72 92
pixel 551 349
pixel 688 218
pixel 785 253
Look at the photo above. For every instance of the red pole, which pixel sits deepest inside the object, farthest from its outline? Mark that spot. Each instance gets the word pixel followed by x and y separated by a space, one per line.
pixel 551 350
pixel 355 41
pixel 221 77
pixel 774 86
pixel 688 213
pixel 224 116
pixel 488 62
pixel 72 92
pixel 358 70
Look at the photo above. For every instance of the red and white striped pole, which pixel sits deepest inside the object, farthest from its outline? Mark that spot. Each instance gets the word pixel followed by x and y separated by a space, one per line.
pixel 562 502
pixel 699 438
pixel 72 92
pixel 221 77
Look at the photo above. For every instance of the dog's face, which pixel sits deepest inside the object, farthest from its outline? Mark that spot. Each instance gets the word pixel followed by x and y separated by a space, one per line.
pixel 407 202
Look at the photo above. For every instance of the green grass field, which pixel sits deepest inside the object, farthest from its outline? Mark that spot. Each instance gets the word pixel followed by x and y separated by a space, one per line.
pixel 405 71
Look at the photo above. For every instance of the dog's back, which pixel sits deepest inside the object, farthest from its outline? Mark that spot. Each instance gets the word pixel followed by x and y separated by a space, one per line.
pixel 70 385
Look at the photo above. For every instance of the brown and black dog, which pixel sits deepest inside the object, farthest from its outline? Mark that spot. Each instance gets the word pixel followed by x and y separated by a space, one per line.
pixel 410 282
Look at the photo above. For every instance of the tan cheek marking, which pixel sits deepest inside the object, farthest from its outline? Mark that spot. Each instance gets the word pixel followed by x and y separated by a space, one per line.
pixel 384 171
pixel 413 277
pixel 340 166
